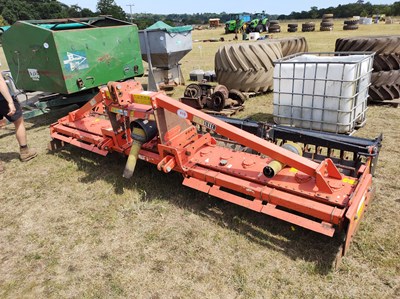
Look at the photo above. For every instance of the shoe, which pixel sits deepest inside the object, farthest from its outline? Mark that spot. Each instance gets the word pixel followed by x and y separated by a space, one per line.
pixel 1 167
pixel 27 153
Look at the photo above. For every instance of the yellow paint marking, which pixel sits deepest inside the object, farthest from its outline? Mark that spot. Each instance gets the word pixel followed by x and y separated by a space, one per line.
pixel 141 99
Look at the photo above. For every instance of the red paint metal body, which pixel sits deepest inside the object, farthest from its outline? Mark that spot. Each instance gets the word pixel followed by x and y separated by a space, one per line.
pixel 316 196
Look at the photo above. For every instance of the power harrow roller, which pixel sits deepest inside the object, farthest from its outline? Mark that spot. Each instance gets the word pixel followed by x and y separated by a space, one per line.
pixel 274 180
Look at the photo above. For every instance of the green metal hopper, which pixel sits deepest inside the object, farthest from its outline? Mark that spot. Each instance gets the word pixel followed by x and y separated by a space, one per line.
pixel 71 55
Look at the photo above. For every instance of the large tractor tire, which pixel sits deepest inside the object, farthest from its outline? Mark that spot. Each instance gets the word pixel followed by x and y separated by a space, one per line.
pixel 326 24
pixel 350 27
pixel 308 27
pixel 327 16
pixel 387 49
pixel 325 28
pixel 386 62
pixel 293 45
pixel 351 22
pixel 384 93
pixel 385 78
pixel 247 67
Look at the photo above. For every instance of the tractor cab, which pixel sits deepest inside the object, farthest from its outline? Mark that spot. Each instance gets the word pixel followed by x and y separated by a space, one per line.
pixel 236 22
pixel 259 23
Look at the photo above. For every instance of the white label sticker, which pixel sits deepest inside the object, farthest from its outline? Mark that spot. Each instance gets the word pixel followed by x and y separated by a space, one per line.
pixel 182 113
pixel 33 73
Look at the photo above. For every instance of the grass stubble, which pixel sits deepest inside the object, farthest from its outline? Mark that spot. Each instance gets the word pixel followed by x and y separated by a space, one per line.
pixel 71 226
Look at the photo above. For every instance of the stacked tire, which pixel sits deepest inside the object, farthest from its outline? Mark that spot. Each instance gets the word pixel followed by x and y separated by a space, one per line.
pixel 351 24
pixel 274 26
pixel 292 27
pixel 308 27
pixel 247 67
pixel 326 23
pixel 385 78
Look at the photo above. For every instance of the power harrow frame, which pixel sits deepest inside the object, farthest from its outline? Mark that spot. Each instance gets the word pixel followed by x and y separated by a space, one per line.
pixel 316 195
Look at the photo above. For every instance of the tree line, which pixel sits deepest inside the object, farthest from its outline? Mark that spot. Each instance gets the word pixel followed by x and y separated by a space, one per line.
pixel 14 10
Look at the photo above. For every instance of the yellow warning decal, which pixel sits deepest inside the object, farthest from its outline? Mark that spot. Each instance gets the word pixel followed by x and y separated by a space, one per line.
pixel 294 170
pixel 348 180
pixel 204 123
pixel 360 207
pixel 198 120
pixel 119 111
pixel 141 99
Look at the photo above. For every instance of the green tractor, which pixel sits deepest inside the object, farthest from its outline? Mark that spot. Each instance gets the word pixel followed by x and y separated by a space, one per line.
pixel 259 23
pixel 236 22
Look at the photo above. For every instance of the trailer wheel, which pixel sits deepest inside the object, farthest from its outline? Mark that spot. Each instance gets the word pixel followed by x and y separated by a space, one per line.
pixel 222 88
pixel 218 101
pixel 193 91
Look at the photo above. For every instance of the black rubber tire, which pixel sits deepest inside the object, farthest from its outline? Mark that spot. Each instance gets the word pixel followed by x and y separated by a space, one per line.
pixel 327 16
pixel 247 66
pixel 387 49
pixel 274 27
pixel 292 30
pixel 326 24
pixel 351 22
pixel 275 30
pixel 293 45
pixel 308 24
pixel 379 44
pixel 274 22
pixel 384 93
pixel 293 25
pixel 259 28
pixel 386 62
pixel 385 78
pixel 308 29
pixel 237 95
pixel 193 91
pixel 325 28
pixel 350 27
pixel 218 101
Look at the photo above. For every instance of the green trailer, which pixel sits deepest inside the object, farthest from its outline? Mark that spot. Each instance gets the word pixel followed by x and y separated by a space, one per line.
pixel 68 56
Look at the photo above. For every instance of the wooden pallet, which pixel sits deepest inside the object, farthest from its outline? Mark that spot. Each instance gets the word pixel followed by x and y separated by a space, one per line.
pixel 252 94
pixel 225 112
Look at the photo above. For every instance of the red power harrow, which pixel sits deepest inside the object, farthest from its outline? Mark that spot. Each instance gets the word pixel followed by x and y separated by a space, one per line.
pixel 277 180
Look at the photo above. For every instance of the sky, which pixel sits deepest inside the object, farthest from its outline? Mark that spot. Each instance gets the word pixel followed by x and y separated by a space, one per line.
pixel 231 6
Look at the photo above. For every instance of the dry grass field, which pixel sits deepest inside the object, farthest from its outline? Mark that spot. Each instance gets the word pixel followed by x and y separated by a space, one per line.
pixel 72 227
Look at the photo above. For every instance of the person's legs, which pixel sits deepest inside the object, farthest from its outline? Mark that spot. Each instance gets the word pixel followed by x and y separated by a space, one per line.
pixel 20 132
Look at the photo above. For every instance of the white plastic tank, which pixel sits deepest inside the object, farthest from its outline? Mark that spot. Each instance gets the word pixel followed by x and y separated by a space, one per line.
pixel 254 35
pixel 325 93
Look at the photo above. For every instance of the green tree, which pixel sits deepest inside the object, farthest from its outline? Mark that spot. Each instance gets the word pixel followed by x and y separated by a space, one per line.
pixel 109 7
pixel 2 21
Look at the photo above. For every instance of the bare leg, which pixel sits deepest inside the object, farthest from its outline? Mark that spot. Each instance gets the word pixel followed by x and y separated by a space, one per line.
pixel 20 131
